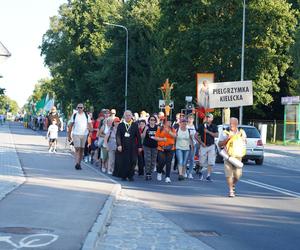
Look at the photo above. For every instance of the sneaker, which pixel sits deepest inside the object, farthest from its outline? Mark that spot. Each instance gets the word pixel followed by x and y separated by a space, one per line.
pixel 233 188
pixel 168 180
pixel 185 175
pixel 109 172
pixel 208 178
pixel 191 176
pixel 103 170
pixel 50 150
pixel 54 151
pixel 86 159
pixel 200 176
pixel 180 177
pixel 231 194
pixel 159 176
pixel 77 166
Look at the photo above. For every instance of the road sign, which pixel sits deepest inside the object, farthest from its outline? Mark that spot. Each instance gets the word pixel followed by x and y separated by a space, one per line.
pixel 290 100
pixel 230 94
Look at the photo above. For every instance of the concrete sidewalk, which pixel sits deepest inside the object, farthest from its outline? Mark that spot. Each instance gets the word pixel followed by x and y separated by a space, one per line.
pixel 134 225
pixel 290 150
pixel 285 157
pixel 11 173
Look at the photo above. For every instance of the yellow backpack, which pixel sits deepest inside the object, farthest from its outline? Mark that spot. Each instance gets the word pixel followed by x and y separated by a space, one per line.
pixel 236 146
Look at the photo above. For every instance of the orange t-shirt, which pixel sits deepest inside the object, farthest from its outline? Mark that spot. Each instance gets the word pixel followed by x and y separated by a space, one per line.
pixel 163 134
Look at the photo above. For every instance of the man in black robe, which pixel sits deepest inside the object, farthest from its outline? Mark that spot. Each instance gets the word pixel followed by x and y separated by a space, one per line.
pixel 128 145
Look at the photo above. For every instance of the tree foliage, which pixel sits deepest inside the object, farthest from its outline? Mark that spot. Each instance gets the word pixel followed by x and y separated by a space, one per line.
pixel 169 39
pixel 8 105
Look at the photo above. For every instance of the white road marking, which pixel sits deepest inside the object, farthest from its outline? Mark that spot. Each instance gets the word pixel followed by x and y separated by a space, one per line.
pixel 31 241
pixel 218 173
pixel 272 188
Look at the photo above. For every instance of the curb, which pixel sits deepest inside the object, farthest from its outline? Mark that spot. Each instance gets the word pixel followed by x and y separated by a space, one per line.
pixel 19 179
pixel 99 226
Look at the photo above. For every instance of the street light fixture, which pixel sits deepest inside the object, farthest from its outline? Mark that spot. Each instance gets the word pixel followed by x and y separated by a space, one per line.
pixel 4 53
pixel 242 57
pixel 126 58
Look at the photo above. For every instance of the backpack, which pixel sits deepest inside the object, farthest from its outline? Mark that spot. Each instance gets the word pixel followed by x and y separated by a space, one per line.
pixel 236 146
pixel 86 115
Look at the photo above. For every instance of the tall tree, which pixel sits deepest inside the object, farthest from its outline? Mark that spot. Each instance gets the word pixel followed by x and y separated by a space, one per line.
pixel 74 43
pixel 206 36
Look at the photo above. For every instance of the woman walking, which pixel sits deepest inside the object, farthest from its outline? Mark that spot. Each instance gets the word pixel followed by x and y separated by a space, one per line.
pixel 111 144
pixel 184 143
pixel 150 147
pixel 165 137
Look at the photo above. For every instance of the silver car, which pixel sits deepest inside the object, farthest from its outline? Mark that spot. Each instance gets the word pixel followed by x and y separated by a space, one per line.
pixel 254 145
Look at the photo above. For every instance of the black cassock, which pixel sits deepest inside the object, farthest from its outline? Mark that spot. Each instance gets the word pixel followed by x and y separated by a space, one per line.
pixel 130 140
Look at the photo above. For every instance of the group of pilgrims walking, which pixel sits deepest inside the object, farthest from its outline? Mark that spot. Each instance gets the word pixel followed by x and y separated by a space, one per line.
pixel 143 144
pixel 149 145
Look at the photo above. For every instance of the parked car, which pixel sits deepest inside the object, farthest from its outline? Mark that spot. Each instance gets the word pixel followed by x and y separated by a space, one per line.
pixel 254 145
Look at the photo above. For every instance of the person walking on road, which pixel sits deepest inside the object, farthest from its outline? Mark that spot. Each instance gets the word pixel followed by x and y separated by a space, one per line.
pixel 191 159
pixel 206 135
pixel 232 173
pixel 53 115
pixel 184 143
pixel 104 130
pixel 111 144
pixel 128 145
pixel 141 157
pixel 150 147
pixel 165 137
pixel 52 135
pixel 79 127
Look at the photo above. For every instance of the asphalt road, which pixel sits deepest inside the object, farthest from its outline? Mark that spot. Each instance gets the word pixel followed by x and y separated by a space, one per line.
pixel 264 215
pixel 56 199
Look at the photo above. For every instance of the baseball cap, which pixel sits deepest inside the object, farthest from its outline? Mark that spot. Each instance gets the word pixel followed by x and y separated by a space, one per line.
pixel 210 115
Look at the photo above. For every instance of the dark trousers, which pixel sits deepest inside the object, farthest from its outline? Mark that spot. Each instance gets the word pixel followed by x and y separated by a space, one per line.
pixel 175 163
pixel 141 163
pixel 165 158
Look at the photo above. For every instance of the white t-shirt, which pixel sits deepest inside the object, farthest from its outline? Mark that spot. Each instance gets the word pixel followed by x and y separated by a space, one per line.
pixel 183 140
pixel 53 131
pixel 192 130
pixel 80 125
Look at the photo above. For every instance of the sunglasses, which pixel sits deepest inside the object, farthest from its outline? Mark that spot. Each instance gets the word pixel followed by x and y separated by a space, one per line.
pixel 152 120
pixel 79 107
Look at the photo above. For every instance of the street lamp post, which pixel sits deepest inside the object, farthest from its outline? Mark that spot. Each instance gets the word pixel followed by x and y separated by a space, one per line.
pixel 126 58
pixel 242 57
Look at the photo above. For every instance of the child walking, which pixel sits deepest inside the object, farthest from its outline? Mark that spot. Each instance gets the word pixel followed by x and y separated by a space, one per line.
pixel 52 135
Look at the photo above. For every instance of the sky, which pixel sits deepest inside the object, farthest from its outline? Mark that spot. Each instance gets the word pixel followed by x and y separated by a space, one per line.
pixel 22 25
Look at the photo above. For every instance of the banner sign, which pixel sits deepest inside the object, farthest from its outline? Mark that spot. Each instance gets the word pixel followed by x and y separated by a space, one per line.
pixel 230 94
pixel 203 82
